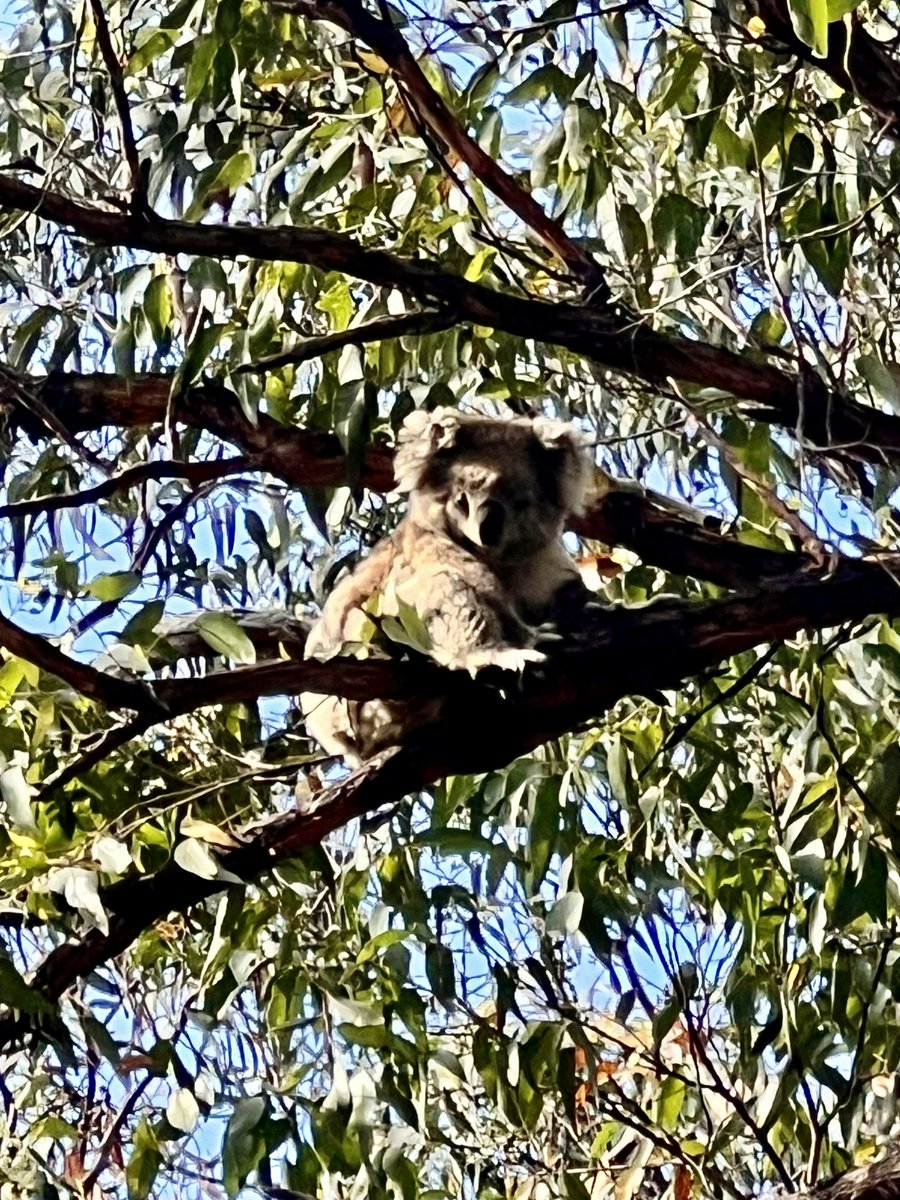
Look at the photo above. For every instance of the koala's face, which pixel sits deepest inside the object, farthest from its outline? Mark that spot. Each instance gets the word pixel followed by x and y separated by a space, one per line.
pixel 500 488
pixel 496 510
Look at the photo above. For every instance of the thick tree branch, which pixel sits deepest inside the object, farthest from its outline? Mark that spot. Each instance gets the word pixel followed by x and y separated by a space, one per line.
pixel 875 1181
pixel 801 403
pixel 107 690
pixel 626 517
pixel 629 650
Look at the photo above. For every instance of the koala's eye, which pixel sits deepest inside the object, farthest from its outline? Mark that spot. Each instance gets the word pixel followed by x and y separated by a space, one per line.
pixel 519 505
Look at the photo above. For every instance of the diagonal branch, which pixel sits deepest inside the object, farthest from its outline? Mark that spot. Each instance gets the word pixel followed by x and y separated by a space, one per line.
pixel 430 111
pixel 853 58
pixel 108 690
pixel 377 330
pixel 117 85
pixel 629 650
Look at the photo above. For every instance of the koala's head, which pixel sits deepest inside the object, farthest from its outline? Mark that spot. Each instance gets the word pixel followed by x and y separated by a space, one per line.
pixel 502 488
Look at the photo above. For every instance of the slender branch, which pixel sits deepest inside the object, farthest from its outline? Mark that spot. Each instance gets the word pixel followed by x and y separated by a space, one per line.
pixel 99 749
pixel 433 113
pixel 357 335
pixel 117 85
pixel 112 1133
pixel 195 473
pixel 807 536
pixel 142 556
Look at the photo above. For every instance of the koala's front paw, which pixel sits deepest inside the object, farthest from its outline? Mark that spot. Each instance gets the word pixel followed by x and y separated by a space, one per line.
pixel 510 658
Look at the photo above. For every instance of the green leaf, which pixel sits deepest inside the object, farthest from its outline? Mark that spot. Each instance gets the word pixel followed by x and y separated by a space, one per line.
pixel 139 630
pixel 885 380
pixel 226 637
pixel 671 1100
pixel 202 54
pixel 158 309
pixel 678 224
pixel 154 44
pixel 234 172
pixel 114 586
pixel 145 1161
pixel 244 1144
pixel 810 21
pixel 441 974
pixel 407 629
pixel 19 996
pixel 768 327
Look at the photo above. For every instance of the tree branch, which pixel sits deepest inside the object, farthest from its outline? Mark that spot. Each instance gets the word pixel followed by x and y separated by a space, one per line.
pixel 628 650
pixel 801 403
pixel 117 85
pixel 377 330
pixel 108 690
pixel 625 515
pixel 194 472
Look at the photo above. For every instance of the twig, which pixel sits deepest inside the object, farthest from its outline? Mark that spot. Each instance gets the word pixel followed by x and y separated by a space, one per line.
pixel 424 103
pixel 139 204
pixel 808 537
pixel 358 335
pixel 195 473
pixel 90 1180
pixel 684 727
pixel 139 561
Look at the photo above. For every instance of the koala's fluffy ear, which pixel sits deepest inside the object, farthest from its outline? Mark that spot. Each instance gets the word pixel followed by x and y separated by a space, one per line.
pixel 576 463
pixel 420 436
pixel 577 466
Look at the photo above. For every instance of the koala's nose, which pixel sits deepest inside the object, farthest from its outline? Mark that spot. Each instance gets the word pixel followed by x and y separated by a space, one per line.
pixel 491 520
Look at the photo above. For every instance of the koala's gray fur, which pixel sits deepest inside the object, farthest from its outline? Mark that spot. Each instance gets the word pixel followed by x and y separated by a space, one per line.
pixel 479 557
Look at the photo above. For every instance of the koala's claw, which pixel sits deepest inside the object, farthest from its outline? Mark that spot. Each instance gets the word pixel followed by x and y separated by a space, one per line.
pixel 547 634
pixel 509 659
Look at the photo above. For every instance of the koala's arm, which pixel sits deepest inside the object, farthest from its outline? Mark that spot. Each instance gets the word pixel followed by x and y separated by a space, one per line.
pixel 345 603
pixel 467 611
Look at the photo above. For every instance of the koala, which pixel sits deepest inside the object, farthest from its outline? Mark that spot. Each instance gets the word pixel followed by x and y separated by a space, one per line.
pixel 479 556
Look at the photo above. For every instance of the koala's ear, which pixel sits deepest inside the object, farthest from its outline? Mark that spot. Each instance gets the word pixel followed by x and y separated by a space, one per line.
pixel 421 435
pixel 577 466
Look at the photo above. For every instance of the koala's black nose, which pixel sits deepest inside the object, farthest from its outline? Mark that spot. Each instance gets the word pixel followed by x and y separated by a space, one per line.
pixel 491 519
